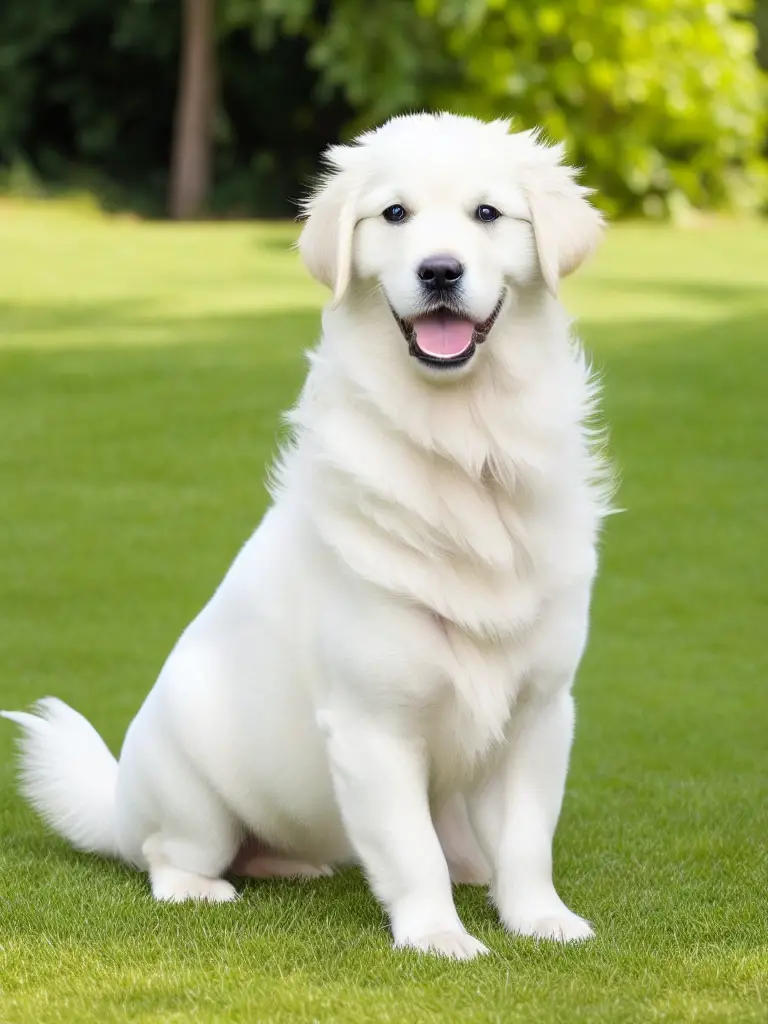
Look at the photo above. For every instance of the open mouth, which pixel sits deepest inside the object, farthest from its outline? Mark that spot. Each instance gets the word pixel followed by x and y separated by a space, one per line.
pixel 445 338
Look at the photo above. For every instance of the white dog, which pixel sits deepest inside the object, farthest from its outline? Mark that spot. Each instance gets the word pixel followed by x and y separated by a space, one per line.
pixel 384 675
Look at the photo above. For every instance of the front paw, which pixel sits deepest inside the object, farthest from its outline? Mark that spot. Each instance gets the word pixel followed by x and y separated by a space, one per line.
pixel 457 945
pixel 558 924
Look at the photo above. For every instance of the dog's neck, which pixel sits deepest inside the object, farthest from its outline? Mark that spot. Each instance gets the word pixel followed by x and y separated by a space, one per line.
pixel 527 366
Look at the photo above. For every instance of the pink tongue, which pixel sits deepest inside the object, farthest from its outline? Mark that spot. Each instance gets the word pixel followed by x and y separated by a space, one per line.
pixel 442 336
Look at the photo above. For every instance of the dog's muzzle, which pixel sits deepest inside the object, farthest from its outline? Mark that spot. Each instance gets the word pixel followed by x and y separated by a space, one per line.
pixel 444 337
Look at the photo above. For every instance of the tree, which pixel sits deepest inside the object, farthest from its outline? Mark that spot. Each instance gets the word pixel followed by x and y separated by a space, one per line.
pixel 192 155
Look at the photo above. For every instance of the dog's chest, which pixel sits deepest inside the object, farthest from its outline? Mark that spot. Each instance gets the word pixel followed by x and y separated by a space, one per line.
pixel 492 631
pixel 475 553
pixel 483 617
pixel 470 710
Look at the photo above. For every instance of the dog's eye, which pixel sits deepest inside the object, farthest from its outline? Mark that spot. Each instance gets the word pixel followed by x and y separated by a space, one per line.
pixel 486 213
pixel 395 214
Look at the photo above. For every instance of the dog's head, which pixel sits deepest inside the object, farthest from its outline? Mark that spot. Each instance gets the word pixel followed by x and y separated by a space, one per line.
pixel 449 216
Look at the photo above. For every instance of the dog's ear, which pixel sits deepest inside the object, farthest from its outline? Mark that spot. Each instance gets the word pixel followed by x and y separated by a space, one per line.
pixel 325 243
pixel 566 226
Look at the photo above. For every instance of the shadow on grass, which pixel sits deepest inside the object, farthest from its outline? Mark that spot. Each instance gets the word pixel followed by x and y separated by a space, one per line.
pixel 744 295
pixel 98 323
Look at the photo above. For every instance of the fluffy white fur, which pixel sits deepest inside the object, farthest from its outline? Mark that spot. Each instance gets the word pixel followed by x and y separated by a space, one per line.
pixel 384 675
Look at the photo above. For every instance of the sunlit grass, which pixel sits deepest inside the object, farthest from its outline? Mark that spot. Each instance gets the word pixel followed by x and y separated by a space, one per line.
pixel 142 369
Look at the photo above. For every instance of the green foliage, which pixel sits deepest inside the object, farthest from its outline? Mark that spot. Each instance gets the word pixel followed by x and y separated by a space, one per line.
pixel 88 85
pixel 761 24
pixel 383 56
pixel 87 93
pixel 662 101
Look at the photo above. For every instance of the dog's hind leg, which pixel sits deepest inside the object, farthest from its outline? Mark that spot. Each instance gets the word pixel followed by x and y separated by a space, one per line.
pixel 194 840
pixel 173 884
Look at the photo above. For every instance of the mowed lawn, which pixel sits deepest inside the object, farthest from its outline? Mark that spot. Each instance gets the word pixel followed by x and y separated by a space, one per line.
pixel 142 371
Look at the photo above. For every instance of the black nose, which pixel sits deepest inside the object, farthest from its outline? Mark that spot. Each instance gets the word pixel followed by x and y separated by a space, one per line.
pixel 440 272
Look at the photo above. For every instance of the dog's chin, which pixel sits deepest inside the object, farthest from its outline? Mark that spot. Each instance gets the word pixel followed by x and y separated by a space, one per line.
pixel 444 340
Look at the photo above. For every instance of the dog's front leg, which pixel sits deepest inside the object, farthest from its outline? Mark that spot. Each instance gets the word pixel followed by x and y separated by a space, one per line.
pixel 380 778
pixel 515 815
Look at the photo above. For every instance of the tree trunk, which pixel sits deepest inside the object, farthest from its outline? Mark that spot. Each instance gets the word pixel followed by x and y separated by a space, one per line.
pixel 193 119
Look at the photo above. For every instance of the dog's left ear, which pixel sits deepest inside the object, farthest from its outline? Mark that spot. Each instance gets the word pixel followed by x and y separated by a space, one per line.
pixel 566 226
pixel 325 243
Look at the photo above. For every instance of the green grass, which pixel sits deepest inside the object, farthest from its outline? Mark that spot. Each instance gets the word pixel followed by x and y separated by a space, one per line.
pixel 142 369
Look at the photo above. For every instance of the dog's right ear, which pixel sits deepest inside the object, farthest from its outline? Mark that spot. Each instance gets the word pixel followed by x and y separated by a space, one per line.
pixel 566 226
pixel 326 241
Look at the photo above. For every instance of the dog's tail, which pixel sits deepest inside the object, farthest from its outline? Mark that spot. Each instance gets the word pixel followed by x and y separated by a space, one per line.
pixel 68 775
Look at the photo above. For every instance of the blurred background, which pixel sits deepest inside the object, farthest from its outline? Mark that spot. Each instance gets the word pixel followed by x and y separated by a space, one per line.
pixel 221 106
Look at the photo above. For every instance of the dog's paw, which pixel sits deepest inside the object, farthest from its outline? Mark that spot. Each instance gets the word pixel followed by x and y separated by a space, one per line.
pixel 561 925
pixel 169 885
pixel 456 945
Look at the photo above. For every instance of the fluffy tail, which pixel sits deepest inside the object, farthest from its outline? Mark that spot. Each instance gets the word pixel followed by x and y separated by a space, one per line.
pixel 68 775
